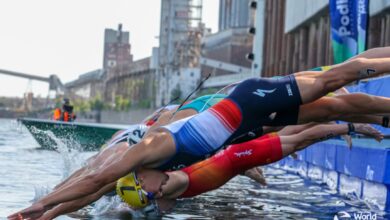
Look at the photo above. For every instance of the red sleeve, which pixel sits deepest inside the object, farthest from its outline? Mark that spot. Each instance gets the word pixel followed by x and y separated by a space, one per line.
pixel 208 175
pixel 258 152
pixel 214 172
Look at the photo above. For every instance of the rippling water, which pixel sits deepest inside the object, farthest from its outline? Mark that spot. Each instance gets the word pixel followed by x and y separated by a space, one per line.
pixel 26 171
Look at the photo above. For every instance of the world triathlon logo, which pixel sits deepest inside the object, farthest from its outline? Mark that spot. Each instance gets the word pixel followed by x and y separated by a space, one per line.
pixel 356 215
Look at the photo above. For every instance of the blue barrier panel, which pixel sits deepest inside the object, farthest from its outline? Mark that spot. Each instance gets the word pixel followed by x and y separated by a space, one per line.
pixel 315 154
pixel 362 161
pixel 330 155
pixel 301 155
pixel 331 178
pixel 363 170
pixel 315 172
pixel 322 154
pixel 377 86
pixel 387 206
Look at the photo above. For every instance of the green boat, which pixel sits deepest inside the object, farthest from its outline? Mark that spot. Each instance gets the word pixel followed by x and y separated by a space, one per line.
pixel 82 136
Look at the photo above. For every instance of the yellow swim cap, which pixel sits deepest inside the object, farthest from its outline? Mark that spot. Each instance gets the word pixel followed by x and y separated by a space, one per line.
pixel 131 192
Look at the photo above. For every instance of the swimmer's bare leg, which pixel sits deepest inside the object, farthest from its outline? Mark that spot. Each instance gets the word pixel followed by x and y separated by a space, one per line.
pixel 313 85
pixel 379 52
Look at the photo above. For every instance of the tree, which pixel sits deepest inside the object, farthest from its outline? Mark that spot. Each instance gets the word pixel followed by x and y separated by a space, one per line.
pixel 122 104
pixel 97 103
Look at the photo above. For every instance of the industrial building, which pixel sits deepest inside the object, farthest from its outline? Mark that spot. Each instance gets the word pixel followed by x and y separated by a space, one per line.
pixel 179 49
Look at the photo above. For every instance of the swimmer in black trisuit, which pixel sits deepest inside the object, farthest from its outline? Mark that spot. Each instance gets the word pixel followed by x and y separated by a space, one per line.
pixel 254 103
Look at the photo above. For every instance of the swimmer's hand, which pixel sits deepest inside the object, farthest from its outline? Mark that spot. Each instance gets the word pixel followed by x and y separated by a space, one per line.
pixel 35 211
pixel 368 130
pixel 257 175
pixel 347 139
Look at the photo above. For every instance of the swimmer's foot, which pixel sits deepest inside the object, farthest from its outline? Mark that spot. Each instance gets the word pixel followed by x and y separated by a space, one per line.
pixel 257 175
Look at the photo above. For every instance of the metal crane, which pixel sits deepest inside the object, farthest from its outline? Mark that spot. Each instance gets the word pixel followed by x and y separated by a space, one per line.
pixel 53 80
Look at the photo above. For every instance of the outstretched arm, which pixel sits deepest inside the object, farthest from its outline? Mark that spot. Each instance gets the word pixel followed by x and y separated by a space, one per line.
pixel 76 174
pixel 149 152
pixel 83 186
pixel 75 205
pixel 323 132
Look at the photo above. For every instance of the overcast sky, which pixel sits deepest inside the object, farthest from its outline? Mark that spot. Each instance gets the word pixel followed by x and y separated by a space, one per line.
pixel 65 38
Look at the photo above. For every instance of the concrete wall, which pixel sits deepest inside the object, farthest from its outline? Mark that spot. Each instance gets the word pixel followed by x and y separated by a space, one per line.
pixel 299 11
pixel 377 6
pixel 131 117
pixel 229 46
pixel 307 46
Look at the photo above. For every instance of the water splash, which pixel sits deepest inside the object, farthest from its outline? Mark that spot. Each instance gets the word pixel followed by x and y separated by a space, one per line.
pixel 70 152
pixel 66 146
pixel 39 192
pixel 71 158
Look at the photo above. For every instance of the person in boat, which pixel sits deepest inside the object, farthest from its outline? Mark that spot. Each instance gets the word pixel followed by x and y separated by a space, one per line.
pixel 66 114
pixel 215 171
pixel 251 107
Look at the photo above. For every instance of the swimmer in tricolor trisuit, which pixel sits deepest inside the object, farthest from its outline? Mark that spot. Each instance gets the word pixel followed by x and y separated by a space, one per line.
pixel 134 134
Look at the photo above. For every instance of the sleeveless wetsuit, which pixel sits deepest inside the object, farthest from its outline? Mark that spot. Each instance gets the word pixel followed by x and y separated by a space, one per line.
pixel 252 104
pixel 214 172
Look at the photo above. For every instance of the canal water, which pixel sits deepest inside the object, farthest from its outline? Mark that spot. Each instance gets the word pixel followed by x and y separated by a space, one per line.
pixel 26 172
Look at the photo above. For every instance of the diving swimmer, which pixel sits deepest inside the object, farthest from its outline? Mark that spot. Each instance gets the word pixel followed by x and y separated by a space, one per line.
pixel 254 103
